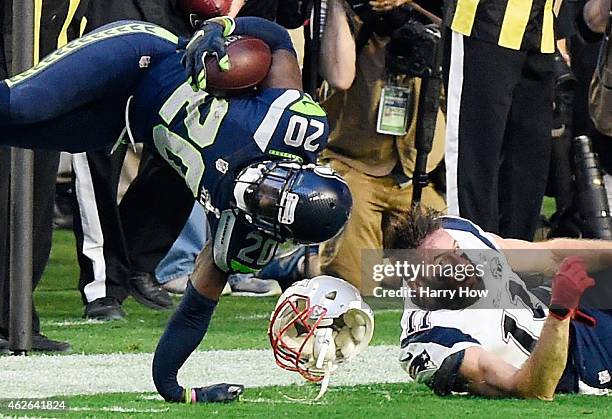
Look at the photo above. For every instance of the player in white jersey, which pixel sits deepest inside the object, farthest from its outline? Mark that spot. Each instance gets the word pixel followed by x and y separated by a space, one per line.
pixel 503 341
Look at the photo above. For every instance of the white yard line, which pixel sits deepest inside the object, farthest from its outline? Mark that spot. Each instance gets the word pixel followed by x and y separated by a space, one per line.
pixel 256 316
pixel 44 376
pixel 389 310
pixel 68 323
pixel 117 409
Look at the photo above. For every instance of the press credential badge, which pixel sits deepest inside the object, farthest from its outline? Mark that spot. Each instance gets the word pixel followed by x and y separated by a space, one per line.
pixel 393 110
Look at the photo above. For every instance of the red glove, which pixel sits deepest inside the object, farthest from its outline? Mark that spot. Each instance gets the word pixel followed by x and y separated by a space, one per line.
pixel 567 287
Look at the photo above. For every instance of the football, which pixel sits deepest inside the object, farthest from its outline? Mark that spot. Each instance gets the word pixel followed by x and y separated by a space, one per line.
pixel 205 8
pixel 250 60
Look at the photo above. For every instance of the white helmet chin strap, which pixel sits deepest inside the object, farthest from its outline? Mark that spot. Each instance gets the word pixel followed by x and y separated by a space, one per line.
pixel 324 344
pixel 325 381
pixel 325 353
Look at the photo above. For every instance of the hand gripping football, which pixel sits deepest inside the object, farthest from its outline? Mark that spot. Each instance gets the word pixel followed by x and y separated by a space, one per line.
pixel 250 60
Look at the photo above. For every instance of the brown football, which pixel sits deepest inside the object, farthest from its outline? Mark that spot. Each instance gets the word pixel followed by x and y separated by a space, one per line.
pixel 205 8
pixel 250 60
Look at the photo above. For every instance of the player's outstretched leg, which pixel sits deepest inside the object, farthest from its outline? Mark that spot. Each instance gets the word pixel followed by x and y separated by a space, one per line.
pixel 101 65
pixel 80 88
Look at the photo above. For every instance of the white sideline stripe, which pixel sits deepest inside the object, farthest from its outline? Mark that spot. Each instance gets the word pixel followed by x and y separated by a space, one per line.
pixel 117 409
pixel 84 322
pixel 22 413
pixel 265 316
pixel 256 316
pixel 389 310
pixel 45 376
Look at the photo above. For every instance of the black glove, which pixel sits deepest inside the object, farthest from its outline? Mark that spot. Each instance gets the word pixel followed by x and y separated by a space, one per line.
pixel 217 393
pixel 209 39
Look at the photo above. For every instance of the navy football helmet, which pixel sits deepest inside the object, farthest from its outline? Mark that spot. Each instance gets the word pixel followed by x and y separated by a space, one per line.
pixel 286 200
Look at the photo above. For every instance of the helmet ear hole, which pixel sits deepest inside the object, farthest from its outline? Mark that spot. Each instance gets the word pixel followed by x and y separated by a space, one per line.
pixel 332 205
pixel 331 295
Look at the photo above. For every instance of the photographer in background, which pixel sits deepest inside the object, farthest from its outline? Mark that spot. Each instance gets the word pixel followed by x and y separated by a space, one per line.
pixel 373 116
pixel 597 18
pixel 596 15
pixel 588 118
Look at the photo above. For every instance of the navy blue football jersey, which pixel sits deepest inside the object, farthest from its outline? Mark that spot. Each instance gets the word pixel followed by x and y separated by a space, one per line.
pixel 209 140
pixel 75 100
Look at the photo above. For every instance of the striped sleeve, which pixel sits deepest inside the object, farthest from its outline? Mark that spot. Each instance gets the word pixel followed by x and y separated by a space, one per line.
pixel 423 355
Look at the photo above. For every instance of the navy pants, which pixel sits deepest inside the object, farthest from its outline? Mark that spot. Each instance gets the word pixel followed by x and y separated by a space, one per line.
pixel 74 100
pixel 590 358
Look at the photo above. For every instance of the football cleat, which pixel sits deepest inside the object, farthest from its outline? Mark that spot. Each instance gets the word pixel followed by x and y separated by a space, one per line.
pixel 286 200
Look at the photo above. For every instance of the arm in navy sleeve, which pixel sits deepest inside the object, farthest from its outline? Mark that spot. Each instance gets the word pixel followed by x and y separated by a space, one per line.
pixel 271 33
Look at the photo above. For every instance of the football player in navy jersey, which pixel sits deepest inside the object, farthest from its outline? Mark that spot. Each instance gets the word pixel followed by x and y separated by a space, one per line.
pixel 509 344
pixel 249 159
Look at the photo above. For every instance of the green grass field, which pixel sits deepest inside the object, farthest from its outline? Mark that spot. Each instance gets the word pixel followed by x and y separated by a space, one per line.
pixel 374 401
pixel 61 308
pixel 240 323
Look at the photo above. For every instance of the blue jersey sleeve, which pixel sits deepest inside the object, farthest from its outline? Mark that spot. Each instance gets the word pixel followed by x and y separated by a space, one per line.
pixel 271 33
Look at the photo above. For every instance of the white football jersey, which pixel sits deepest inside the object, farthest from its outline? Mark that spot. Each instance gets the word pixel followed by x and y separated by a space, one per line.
pixel 509 326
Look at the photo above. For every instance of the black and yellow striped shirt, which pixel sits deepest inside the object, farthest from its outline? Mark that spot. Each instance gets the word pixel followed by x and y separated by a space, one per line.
pixel 56 22
pixel 515 24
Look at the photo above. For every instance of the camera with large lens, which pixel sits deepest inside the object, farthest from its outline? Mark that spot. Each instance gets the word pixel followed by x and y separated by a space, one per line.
pixel 589 214
pixel 591 197
pixel 565 83
pixel 381 23
pixel 564 78
pixel 414 46
pixel 413 50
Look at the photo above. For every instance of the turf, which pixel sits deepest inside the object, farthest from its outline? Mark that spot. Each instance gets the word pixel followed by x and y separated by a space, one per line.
pixel 60 308
pixel 548 207
pixel 240 323
pixel 373 401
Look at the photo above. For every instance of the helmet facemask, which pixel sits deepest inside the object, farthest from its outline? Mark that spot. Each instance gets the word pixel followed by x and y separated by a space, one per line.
pixel 294 330
pixel 306 203
pixel 317 325
pixel 262 194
